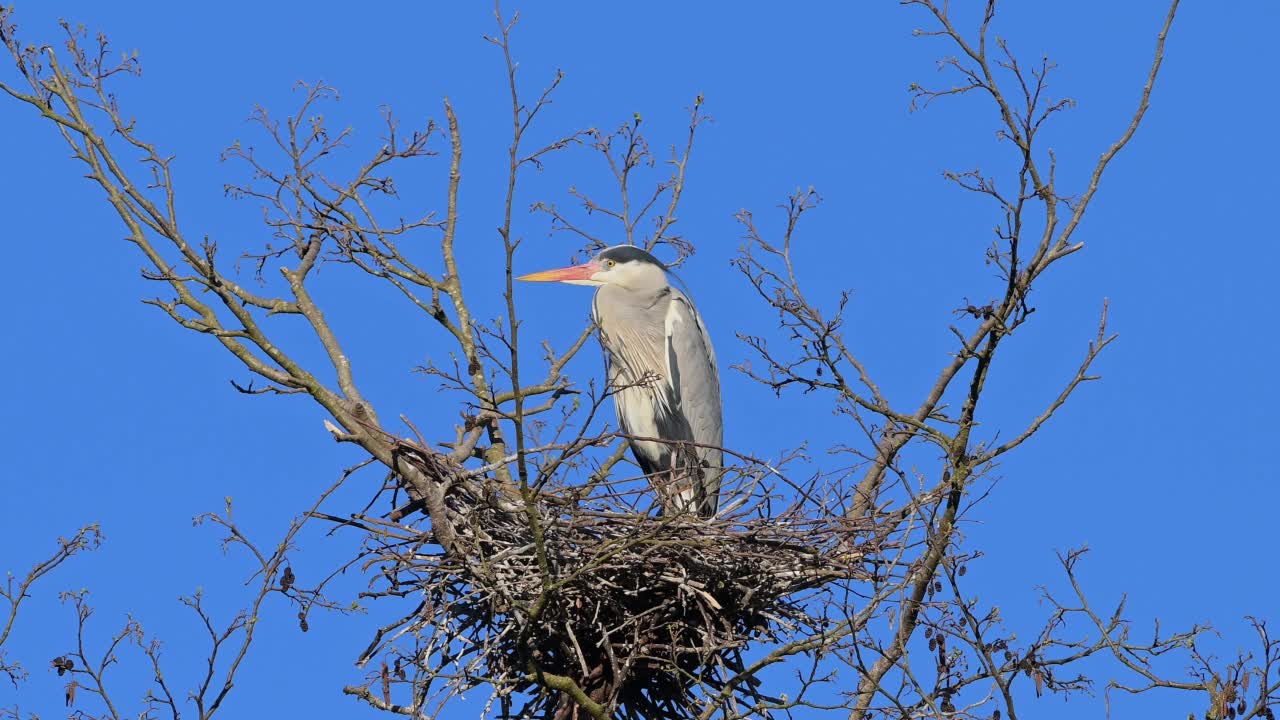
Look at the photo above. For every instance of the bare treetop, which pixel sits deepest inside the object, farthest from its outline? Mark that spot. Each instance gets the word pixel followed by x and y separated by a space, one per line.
pixel 516 552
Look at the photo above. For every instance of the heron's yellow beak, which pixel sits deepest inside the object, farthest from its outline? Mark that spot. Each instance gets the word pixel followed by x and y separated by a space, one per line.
pixel 569 274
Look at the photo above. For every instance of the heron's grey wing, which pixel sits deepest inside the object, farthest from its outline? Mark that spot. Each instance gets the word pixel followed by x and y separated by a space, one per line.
pixel 692 372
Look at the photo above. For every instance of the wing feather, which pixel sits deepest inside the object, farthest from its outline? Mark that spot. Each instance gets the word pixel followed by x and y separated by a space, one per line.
pixel 695 378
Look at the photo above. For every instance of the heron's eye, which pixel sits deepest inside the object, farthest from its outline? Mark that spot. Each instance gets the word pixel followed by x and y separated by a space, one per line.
pixel 609 264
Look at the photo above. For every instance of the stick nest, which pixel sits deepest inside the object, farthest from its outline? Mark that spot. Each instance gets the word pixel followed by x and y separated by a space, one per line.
pixel 643 615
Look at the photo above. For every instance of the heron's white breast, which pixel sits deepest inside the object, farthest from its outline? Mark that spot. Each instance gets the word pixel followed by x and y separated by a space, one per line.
pixel 637 409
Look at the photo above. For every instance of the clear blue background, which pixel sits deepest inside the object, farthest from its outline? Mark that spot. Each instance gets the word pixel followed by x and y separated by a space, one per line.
pixel 1166 468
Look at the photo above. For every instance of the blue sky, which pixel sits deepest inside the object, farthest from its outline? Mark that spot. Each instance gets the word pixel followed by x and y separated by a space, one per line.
pixel 1165 468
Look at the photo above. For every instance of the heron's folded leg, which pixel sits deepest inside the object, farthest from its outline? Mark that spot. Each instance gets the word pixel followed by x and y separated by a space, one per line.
pixel 678 491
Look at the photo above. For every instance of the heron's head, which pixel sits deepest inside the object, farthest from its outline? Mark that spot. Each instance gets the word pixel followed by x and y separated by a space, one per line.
pixel 622 265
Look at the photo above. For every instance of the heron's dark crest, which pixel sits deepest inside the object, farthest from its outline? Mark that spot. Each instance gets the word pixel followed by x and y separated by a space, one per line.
pixel 630 253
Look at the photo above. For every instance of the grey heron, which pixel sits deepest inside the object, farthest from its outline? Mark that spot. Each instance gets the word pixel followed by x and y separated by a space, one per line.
pixel 661 370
